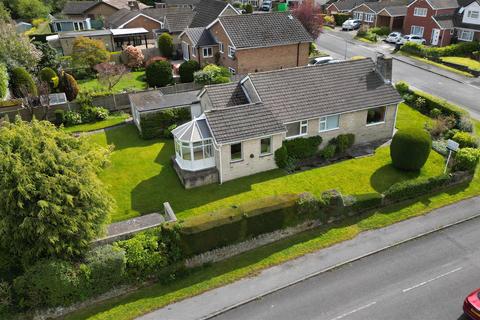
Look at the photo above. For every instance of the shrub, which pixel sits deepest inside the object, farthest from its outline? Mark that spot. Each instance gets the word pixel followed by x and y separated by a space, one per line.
pixel 329 20
pixel 420 103
pixel 153 124
pixel 435 113
pixel 92 114
pixel 155 59
pixel 105 269
pixel 69 85
pixel 3 81
pixel 329 151
pixel 465 124
pixel 212 74
pixel 281 156
pixel 380 31
pixel 301 148
pixel 48 283
pixel 410 149
pixel 440 126
pixel 50 76
pixel 440 146
pixel 168 132
pixel 159 74
pixel 165 44
pixel 465 139
pixel 412 188
pixel 450 133
pixel 344 142
pixel 362 202
pixel 22 83
pixel 402 87
pixel 248 8
pixel 187 69
pixel 59 116
pixel 340 18
pixel 133 56
pixel 72 118
pixel 409 98
pixel 466 159
pixel 5 296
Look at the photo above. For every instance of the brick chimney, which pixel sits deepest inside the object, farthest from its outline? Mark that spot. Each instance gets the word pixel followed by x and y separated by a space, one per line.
pixel 133 5
pixel 384 67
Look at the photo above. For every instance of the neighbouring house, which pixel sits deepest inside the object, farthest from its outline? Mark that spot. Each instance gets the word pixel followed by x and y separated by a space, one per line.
pixel 423 19
pixel 98 9
pixel 206 11
pixel 343 6
pixel 243 123
pixel 389 14
pixel 249 42
pixel 76 24
pixel 177 3
pixel 114 39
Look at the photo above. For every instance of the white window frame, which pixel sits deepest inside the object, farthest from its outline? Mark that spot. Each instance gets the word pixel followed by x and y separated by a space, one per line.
pixel 378 122
pixel 220 47
pixel 416 34
pixel 241 152
pixel 271 142
pixel 324 120
pixel 207 49
pixel 420 12
pixel 231 52
pixel 358 15
pixel 193 51
pixel 369 17
pixel 473 14
pixel 232 70
pixel 303 126
pixel 461 33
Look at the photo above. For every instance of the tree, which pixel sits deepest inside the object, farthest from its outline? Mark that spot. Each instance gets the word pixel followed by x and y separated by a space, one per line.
pixel 22 83
pixel 110 74
pixel 3 81
pixel 69 85
pixel 134 56
pixel 89 52
pixel 30 9
pixel 309 15
pixel 53 203
pixel 4 13
pixel 165 44
pixel 187 69
pixel 248 8
pixel 16 49
pixel 49 76
pixel 49 56
pixel 212 74
pixel 159 74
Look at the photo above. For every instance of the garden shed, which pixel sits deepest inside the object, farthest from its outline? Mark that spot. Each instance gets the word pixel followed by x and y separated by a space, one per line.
pixel 155 114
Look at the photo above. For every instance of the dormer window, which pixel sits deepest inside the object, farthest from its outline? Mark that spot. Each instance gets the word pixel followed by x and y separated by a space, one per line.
pixel 473 14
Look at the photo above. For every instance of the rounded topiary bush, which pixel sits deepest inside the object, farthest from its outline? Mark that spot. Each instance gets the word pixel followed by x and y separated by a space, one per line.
pixel 187 69
pixel 159 74
pixel 410 149
pixel 22 83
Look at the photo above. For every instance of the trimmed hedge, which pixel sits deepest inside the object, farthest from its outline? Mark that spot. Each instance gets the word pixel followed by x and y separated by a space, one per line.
pixel 187 69
pixel 340 18
pixel 22 81
pixel 155 124
pixel 466 159
pixel 301 148
pixel 413 188
pixel 465 139
pixel 409 149
pixel 159 74
pixel 462 49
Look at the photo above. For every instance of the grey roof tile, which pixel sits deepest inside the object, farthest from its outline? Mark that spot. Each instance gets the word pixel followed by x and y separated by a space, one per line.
pixel 444 4
pixel 226 95
pixel 155 100
pixel 264 30
pixel 200 36
pixel 347 5
pixel 124 15
pixel 77 7
pixel 243 122
pixel 177 22
pixel 206 11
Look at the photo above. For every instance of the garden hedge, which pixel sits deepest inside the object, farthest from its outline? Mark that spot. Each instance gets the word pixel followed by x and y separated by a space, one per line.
pixel 466 159
pixel 462 49
pixel 410 149
pixel 154 124
pixel 301 148
pixel 340 18
pixel 159 74
pixel 187 69
pixel 414 188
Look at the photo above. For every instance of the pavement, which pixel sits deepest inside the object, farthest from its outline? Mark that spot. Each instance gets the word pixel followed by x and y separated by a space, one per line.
pixel 450 86
pixel 243 298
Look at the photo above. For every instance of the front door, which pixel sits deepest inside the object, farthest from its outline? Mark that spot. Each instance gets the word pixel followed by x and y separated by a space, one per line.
pixel 435 37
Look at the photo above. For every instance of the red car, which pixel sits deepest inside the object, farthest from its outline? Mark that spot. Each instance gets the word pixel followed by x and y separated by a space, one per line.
pixel 471 305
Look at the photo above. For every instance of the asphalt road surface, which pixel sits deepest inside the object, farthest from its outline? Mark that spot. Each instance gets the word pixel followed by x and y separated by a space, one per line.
pixel 467 95
pixel 425 279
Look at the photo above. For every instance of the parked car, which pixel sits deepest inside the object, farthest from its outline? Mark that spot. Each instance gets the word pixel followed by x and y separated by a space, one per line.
pixel 351 24
pixel 471 305
pixel 320 60
pixel 335 61
pixel 266 5
pixel 411 38
pixel 394 37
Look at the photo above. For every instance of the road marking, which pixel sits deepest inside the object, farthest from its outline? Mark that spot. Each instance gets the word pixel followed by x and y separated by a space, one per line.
pixel 433 279
pixel 355 310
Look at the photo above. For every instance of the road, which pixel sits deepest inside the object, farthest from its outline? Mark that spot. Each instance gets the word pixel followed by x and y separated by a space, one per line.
pixel 464 94
pixel 423 279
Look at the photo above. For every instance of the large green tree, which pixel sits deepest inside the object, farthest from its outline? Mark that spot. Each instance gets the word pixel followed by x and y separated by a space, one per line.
pixel 89 52
pixel 53 203
pixel 3 81
pixel 30 9
pixel 16 49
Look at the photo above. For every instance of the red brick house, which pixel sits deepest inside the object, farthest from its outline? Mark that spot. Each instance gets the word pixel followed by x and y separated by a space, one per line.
pixel 385 13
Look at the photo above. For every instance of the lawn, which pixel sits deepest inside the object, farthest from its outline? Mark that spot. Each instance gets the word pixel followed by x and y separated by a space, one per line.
pixel 141 177
pixel 133 81
pixel 112 120
pixel 467 62
pixel 436 64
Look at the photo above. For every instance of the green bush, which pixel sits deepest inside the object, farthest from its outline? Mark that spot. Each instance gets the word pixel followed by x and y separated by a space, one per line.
pixel 248 8
pixel 466 159
pixel 93 114
pixel 69 85
pixel 344 142
pixel 413 188
pixel 3 81
pixel 48 283
pixel 72 118
pixel 187 69
pixel 165 45
pixel 212 74
pixel 154 124
pixel 159 74
pixel 22 83
pixel 105 269
pixel 363 202
pixel 59 116
pixel 168 132
pixel 465 140
pixel 410 149
pixel 462 49
pixel 302 148
pixel 465 124
pixel 402 87
pixel 340 18
pixel 48 75
pixel 421 103
pixel 281 157
pixel 329 151
pixel 435 113
pixel 380 31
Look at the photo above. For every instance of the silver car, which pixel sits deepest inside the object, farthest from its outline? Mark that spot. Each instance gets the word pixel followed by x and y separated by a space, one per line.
pixel 394 37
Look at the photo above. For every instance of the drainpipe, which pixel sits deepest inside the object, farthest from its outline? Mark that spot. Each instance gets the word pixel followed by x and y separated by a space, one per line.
pixel 198 56
pixel 298 53
pixel 220 161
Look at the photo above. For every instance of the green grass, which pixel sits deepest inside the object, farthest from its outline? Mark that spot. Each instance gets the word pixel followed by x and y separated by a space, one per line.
pixel 112 120
pixel 409 117
pixel 467 62
pixel 132 81
pixel 436 64
pixel 141 177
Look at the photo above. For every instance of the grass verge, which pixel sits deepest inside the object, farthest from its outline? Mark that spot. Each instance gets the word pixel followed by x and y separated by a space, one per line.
pixel 466 62
pixel 436 64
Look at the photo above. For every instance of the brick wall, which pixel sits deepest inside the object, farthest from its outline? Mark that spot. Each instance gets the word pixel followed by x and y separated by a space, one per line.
pixel 143 22
pixel 101 10
pixel 198 52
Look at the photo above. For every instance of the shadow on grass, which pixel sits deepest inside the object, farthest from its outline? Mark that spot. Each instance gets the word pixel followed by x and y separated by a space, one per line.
pixel 386 176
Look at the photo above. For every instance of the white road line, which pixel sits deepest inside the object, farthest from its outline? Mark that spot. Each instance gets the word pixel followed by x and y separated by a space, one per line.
pixel 355 310
pixel 433 279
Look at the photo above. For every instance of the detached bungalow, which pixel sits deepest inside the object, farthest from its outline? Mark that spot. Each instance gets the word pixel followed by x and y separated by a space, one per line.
pixel 389 14
pixel 243 123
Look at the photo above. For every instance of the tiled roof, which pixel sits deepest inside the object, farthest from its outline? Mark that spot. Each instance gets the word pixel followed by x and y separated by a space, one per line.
pixel 120 17
pixel 243 122
pixel 313 91
pixel 124 15
pixel 200 36
pixel 155 100
pixel 264 30
pixel 180 2
pixel 77 7
pixel 396 11
pixel 389 5
pixel 226 95
pixel 177 22
pixel 347 5
pixel 206 11
pixel 444 4
pixel 123 4
pixel 445 21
